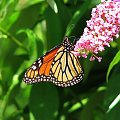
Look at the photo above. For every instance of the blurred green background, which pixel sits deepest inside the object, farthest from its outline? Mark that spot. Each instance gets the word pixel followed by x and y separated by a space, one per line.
pixel 28 28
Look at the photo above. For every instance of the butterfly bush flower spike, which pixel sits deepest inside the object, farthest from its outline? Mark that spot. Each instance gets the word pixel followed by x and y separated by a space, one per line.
pixel 101 28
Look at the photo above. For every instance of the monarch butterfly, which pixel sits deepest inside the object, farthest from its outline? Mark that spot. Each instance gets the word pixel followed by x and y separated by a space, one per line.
pixel 59 65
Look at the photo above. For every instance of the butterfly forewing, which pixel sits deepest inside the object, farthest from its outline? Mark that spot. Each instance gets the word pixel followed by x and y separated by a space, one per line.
pixel 59 66
pixel 39 70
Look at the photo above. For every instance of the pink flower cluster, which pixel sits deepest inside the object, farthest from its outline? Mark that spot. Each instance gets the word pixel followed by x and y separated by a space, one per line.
pixel 101 28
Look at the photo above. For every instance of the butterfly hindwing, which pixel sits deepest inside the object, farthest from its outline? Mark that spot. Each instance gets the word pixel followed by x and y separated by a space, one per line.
pixel 66 69
pixel 59 66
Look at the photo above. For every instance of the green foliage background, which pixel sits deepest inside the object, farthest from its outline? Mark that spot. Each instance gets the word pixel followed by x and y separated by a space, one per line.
pixel 28 28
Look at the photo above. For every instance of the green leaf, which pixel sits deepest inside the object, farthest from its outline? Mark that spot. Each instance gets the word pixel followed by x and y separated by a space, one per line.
pixel 54 34
pixel 30 43
pixel 22 98
pixel 112 92
pixel 40 31
pixel 112 98
pixel 93 109
pixel 53 5
pixel 21 5
pixel 76 17
pixel 114 114
pixel 114 103
pixel 20 51
pixel 10 111
pixel 9 15
pixel 28 20
pixel 44 101
pixel 115 60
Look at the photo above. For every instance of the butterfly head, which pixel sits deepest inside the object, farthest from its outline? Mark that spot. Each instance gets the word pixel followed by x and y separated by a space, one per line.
pixel 68 46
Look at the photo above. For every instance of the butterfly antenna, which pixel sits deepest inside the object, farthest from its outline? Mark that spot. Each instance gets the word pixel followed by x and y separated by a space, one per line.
pixel 75 40
pixel 70 37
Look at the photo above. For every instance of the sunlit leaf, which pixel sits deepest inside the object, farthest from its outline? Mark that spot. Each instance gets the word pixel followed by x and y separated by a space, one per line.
pixel 115 60
pixel 114 114
pixel 112 94
pixel 75 107
pixel 20 51
pixel 115 101
pixel 9 15
pixel 26 3
pixel 53 5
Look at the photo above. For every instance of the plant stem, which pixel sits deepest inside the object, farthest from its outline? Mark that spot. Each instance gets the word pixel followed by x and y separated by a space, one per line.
pixel 5 101
pixel 11 37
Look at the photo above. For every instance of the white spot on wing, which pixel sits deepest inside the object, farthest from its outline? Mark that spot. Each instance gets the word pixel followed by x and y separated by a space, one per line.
pixel 34 67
